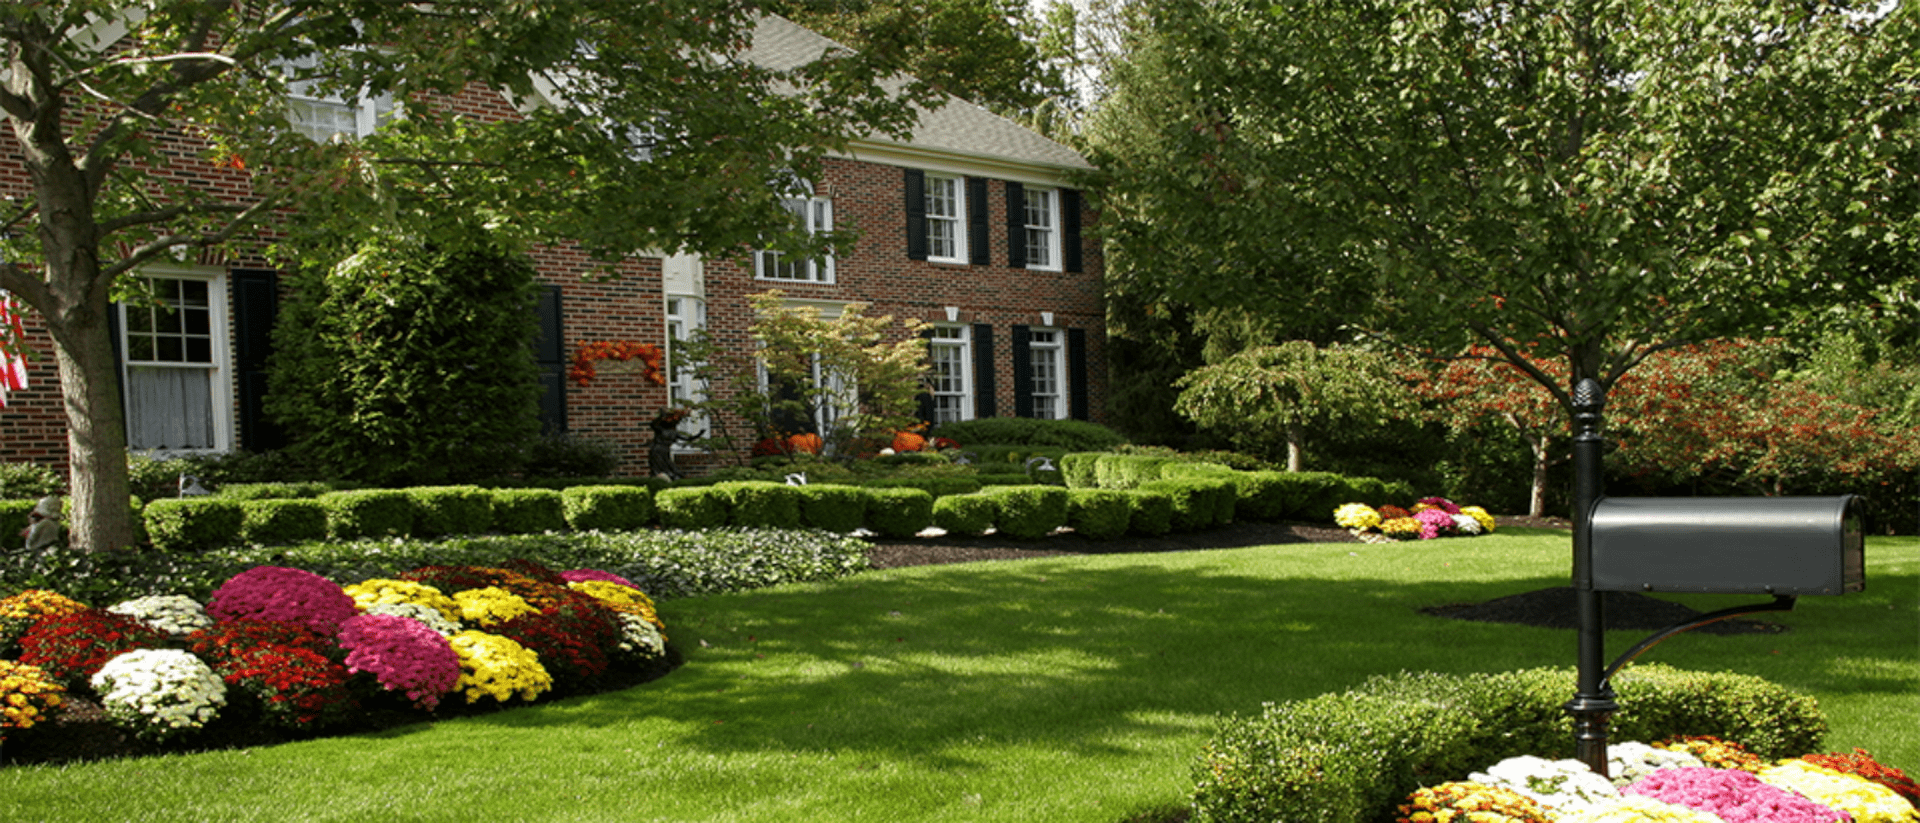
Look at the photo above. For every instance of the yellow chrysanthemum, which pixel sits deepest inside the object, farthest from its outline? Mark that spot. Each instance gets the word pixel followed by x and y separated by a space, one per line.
pixel 381 590
pixel 1865 800
pixel 625 599
pixel 498 667
pixel 490 606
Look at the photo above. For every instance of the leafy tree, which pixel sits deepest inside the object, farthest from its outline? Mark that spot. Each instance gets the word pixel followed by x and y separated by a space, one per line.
pixel 1583 181
pixel 1481 388
pixel 1271 395
pixel 132 118
pixel 409 363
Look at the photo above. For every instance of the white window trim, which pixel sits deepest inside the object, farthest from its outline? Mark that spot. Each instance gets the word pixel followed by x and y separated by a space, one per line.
pixel 962 343
pixel 1052 227
pixel 685 386
pixel 221 391
pixel 1056 350
pixel 369 111
pixel 816 215
pixel 958 219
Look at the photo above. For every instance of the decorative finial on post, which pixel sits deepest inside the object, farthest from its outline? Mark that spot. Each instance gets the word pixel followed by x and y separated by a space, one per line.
pixel 1592 706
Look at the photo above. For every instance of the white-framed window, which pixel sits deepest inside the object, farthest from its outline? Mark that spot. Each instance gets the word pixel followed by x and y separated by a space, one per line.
pixel 816 215
pixel 176 371
pixel 831 395
pixel 1048 356
pixel 1043 228
pixel 324 117
pixel 949 351
pixel 946 219
pixel 686 317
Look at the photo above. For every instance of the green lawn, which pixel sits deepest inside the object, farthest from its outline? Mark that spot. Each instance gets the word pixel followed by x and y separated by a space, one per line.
pixel 1058 689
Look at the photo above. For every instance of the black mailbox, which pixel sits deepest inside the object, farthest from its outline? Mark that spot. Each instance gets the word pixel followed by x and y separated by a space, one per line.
pixel 1733 545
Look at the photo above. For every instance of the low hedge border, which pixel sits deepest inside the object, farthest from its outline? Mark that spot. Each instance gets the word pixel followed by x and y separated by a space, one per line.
pixel 1351 757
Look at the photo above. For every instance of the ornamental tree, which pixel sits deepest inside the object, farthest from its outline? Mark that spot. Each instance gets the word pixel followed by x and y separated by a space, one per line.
pixel 844 377
pixel 1580 181
pixel 1481 388
pixel 643 126
pixel 1269 395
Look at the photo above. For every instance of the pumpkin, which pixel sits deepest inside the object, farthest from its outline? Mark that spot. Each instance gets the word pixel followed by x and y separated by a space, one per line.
pixel 908 442
pixel 805 443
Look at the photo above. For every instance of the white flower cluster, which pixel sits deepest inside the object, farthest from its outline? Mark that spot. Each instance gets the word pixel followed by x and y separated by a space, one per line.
pixel 425 614
pixel 1466 524
pixel 159 692
pixel 175 614
pixel 638 638
pixel 1632 760
pixel 1563 785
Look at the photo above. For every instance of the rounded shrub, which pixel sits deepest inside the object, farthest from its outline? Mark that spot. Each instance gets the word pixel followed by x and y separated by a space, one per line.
pixel 363 513
pixel 443 510
pixel 1100 514
pixel 939 486
pixel 1128 471
pixel 1078 470
pixel 13 518
pixel 1198 502
pixel 528 511
pixel 276 522
pixel 1029 512
pixel 607 508
pixel 898 512
pixel 762 504
pixel 1073 435
pixel 1152 512
pixel 693 507
pixel 1259 495
pixel 192 523
pixel 832 507
pixel 965 513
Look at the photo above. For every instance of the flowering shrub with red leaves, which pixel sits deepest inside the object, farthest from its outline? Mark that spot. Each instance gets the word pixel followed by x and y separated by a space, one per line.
pixel 1861 764
pixel 403 654
pixel 72 647
pixel 246 635
pixel 650 356
pixel 570 656
pixel 297 687
pixel 279 593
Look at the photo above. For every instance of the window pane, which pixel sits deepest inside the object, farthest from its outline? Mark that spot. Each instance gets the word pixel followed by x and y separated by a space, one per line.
pixel 139 319
pixel 139 347
pixel 196 321
pixel 166 321
pixel 168 349
pixel 199 350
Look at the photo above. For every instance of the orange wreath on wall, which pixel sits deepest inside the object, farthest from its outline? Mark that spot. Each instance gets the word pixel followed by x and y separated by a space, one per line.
pixel 650 356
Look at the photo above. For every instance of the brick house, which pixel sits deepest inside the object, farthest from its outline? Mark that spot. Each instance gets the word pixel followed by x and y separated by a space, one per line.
pixel 971 225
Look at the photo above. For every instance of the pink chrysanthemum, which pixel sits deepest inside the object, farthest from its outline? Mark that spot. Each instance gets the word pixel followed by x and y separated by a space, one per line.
pixel 403 654
pixel 279 593
pixel 582 575
pixel 1734 795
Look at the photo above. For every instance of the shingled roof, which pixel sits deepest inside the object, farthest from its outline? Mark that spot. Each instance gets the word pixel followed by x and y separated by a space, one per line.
pixel 958 128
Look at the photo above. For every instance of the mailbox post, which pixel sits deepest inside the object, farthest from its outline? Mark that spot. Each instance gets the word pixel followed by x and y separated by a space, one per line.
pixel 1781 546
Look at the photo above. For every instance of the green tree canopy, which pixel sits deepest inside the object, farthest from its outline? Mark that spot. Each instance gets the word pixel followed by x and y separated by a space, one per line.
pixel 1268 397
pixel 644 126
pixel 1592 181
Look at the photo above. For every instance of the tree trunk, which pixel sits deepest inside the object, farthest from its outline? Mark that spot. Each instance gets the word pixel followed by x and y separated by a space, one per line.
pixel 102 518
pixel 1537 501
pixel 1296 446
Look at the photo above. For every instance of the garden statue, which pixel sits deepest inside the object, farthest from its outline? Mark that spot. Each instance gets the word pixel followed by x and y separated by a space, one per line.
pixel 43 525
pixel 666 432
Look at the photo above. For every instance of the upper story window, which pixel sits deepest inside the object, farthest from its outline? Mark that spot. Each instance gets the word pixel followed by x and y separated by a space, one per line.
pixel 1042 228
pixel 948 354
pixel 1047 380
pixel 816 215
pixel 686 317
pixel 175 359
pixel 324 117
pixel 946 209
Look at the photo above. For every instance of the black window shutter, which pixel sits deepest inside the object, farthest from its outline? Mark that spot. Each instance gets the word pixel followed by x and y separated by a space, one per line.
pixel 923 402
pixel 979 235
pixel 550 361
pixel 1070 229
pixel 256 304
pixel 1022 374
pixel 1016 225
pixel 984 402
pixel 1077 374
pixel 916 214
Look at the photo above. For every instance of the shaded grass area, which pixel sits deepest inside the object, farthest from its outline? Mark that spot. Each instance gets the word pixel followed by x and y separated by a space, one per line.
pixel 1060 689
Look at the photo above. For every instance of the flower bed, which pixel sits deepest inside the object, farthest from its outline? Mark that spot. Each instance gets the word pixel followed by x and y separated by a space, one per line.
pixel 280 653
pixel 1427 519
pixel 1669 783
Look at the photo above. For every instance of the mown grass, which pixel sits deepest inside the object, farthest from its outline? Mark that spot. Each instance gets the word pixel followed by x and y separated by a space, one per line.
pixel 1058 689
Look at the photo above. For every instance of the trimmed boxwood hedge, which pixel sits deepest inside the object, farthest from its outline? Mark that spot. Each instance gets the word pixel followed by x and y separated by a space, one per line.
pixel 279 522
pixel 1100 514
pixel 1198 502
pixel 364 513
pixel 1152 511
pixel 192 523
pixel 693 507
pixel 760 504
pixel 528 511
pixel 13 519
pixel 607 508
pixel 898 512
pixel 444 510
pixel 834 508
pixel 965 513
pixel 1351 757
pixel 1028 512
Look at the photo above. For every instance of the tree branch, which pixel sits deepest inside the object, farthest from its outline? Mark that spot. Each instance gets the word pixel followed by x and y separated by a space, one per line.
pixel 166 243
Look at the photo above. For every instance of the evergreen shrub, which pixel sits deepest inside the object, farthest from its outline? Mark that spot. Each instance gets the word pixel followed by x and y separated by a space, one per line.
pixel 832 507
pixel 898 512
pixel 1072 435
pixel 1029 512
pixel 192 523
pixel 21 481
pixel 282 521
pixel 607 508
pixel 443 510
pixel 1261 495
pixel 762 504
pixel 1128 471
pixel 1198 502
pixel 367 513
pixel 1100 514
pixel 693 507
pixel 965 513
pixel 528 511
pixel 272 491
pixel 1078 470
pixel 1152 511
pixel 936 486
pixel 13 521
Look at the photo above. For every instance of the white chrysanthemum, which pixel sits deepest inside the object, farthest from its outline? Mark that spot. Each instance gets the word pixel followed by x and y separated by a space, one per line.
pixel 159 692
pixel 175 614
pixel 1630 761
pixel 638 638
pixel 1564 785
pixel 1466 524
pixel 425 614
